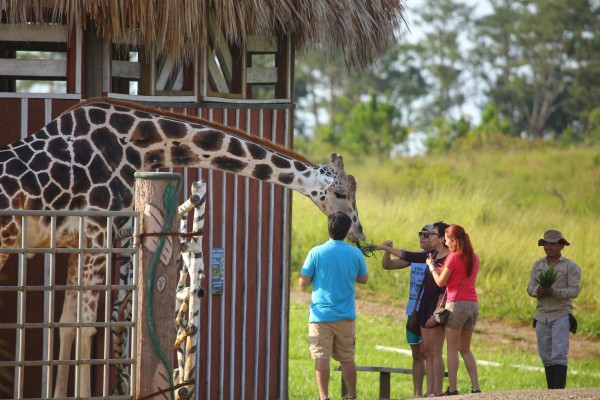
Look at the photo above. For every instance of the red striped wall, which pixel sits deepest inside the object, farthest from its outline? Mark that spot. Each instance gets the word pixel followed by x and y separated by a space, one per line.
pixel 243 332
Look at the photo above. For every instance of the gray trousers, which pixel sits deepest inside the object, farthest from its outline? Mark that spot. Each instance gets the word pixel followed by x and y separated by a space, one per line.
pixel 553 340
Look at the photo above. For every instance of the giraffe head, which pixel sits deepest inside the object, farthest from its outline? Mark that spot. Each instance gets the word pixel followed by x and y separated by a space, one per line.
pixel 339 195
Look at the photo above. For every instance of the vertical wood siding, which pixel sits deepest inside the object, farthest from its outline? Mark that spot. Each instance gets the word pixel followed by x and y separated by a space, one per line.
pixel 242 341
pixel 242 334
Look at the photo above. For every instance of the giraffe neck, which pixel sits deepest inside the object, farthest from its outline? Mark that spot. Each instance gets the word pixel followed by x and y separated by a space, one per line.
pixel 160 140
pixel 87 157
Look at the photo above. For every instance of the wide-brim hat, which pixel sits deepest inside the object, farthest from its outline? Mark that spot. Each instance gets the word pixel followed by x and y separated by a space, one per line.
pixel 553 236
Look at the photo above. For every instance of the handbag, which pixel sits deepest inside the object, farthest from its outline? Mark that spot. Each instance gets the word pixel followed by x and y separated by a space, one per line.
pixel 441 314
pixel 413 324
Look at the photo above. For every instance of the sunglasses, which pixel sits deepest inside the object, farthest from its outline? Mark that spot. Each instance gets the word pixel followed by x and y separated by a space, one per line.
pixel 427 235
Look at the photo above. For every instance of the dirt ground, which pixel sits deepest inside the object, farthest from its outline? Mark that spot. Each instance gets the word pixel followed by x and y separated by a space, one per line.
pixel 566 394
pixel 520 337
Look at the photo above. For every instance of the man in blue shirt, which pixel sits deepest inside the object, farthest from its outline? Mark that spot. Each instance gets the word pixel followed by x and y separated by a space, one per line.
pixel 333 268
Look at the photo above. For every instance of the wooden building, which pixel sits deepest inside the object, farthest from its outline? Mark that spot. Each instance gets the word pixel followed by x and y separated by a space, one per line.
pixel 226 61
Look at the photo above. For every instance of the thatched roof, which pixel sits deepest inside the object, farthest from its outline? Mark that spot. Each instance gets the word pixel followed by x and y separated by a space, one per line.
pixel 361 30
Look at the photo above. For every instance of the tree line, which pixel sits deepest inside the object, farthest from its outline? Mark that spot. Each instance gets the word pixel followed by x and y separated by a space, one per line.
pixel 529 69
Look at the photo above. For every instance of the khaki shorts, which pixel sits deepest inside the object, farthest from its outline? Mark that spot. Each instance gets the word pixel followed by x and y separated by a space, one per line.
pixel 332 339
pixel 463 314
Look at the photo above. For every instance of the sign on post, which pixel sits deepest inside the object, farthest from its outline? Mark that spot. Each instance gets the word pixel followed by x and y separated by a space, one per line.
pixel 217 260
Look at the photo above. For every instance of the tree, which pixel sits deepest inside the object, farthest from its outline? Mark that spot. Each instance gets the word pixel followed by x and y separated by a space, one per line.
pixel 400 74
pixel 537 52
pixel 497 60
pixel 442 55
pixel 373 127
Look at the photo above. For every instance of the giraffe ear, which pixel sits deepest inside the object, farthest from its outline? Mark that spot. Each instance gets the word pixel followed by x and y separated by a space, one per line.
pixel 338 161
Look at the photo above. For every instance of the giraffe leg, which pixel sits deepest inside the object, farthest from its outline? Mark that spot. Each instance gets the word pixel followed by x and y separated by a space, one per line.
pixel 67 337
pixel 85 381
pixel 90 306
pixel 93 274
pixel 67 334
pixel 69 314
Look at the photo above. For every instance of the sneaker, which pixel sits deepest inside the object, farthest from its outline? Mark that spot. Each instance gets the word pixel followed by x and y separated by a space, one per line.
pixel 349 396
pixel 475 390
pixel 449 392
pixel 430 395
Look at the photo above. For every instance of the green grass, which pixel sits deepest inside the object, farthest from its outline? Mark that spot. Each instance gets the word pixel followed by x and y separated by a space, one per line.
pixel 376 333
pixel 505 201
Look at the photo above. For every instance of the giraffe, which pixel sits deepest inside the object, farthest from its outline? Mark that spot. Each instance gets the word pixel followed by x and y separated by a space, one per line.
pixel 85 160
pixel 121 311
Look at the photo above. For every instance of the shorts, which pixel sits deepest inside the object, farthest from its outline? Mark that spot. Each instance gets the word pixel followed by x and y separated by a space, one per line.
pixel 332 339
pixel 463 314
pixel 411 338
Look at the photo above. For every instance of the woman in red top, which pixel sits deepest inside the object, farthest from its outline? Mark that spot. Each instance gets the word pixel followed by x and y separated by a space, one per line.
pixel 458 274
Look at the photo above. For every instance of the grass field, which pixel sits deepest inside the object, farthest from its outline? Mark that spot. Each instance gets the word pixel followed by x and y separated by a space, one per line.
pixel 381 341
pixel 505 201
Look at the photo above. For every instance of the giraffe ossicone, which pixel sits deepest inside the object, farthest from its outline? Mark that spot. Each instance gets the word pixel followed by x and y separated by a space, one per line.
pixel 86 158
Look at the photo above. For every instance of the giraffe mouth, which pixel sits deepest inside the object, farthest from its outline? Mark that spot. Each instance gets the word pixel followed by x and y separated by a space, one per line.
pixel 354 238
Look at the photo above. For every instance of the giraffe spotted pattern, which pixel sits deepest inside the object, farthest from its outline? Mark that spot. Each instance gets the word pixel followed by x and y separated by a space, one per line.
pixel 86 160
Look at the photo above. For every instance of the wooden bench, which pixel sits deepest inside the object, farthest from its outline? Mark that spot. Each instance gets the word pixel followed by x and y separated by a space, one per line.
pixel 384 377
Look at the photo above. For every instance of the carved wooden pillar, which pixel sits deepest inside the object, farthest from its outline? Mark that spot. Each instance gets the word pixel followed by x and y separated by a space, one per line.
pixel 156 198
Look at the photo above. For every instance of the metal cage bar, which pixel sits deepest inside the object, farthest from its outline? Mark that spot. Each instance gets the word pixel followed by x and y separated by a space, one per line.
pixel 28 297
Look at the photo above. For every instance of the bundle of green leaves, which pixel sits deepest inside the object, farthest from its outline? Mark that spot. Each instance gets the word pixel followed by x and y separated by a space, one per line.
pixel 366 248
pixel 547 277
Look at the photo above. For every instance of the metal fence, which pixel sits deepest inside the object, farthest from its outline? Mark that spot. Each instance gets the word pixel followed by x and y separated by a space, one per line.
pixel 31 293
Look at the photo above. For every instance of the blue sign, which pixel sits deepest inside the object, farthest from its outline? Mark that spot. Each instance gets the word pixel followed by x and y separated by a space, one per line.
pixel 217 264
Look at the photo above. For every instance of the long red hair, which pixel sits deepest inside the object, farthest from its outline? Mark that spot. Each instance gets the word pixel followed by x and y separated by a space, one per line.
pixel 461 245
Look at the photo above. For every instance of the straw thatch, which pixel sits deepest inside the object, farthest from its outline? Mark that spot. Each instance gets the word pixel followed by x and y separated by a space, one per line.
pixel 361 30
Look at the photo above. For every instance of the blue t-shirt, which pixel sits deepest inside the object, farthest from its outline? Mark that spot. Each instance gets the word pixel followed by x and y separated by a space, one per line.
pixel 333 267
pixel 417 274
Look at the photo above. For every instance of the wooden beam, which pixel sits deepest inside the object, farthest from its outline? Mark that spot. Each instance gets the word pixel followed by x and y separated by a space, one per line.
pixel 215 76
pixel 33 33
pixel 126 69
pixel 225 61
pixel 33 68
pixel 260 44
pixel 221 51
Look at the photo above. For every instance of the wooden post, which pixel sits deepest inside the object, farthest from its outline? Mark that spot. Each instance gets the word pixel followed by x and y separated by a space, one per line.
pixel 156 198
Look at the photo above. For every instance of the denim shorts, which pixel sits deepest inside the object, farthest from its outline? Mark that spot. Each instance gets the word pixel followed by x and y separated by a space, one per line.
pixel 411 338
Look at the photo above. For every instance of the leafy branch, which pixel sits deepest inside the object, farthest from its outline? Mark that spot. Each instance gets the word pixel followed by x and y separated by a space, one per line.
pixel 547 277
pixel 367 249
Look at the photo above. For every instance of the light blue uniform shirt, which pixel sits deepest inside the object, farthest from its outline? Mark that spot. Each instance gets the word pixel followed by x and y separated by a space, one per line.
pixel 333 267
